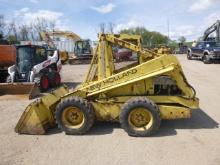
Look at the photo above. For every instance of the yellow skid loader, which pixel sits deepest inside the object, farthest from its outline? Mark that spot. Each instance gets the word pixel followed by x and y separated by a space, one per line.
pixel 138 95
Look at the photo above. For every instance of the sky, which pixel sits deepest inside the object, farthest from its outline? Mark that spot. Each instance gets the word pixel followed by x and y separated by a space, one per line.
pixel 187 18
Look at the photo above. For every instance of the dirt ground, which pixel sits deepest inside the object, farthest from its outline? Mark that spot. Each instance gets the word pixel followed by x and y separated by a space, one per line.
pixel 190 141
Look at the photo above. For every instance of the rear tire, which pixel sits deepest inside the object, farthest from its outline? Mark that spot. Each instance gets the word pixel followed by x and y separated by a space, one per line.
pixel 140 117
pixel 206 59
pixel 74 115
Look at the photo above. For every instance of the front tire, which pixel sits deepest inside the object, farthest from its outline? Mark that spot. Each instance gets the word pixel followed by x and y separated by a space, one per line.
pixel 140 117
pixel 206 59
pixel 74 115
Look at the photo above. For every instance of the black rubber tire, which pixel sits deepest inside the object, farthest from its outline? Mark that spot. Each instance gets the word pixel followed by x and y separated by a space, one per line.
pixel 205 59
pixel 189 56
pixel 137 102
pixel 41 86
pixel 85 108
pixel 52 81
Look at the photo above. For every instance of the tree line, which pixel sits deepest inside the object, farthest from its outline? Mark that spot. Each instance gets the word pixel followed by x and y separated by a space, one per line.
pixel 14 32
pixel 154 39
pixel 149 38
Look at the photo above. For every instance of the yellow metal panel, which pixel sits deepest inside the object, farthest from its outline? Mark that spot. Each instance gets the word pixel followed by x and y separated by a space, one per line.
pixel 174 112
pixel 191 103
pixel 111 111
pixel 107 111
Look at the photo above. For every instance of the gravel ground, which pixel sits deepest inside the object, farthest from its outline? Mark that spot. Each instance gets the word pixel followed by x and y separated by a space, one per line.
pixel 190 141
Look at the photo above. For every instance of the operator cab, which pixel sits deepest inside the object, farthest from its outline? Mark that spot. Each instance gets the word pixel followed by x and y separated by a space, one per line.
pixel 27 57
pixel 82 48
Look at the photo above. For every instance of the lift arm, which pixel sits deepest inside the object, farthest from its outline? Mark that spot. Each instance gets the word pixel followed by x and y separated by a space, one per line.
pixel 107 79
pixel 115 39
pixel 102 63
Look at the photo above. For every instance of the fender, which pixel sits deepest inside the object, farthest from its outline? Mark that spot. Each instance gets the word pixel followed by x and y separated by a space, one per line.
pixel 189 50
pixel 206 51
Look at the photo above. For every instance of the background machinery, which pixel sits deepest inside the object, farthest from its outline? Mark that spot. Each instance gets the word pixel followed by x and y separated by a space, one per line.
pixel 213 28
pixel 82 48
pixel 83 52
pixel 182 48
pixel 208 49
pixel 123 54
pixel 34 67
pixel 7 59
pixel 138 95
pixel 163 49
pixel 46 36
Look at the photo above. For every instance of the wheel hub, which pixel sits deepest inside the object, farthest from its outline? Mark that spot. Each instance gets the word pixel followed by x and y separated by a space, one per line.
pixel 72 117
pixel 140 118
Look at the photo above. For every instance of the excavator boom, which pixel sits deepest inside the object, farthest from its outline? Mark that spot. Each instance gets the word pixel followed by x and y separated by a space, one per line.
pixel 215 27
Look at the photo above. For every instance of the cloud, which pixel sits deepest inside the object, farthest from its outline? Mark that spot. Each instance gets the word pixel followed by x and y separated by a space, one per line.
pixel 194 32
pixel 21 11
pixel 25 9
pixel 201 5
pixel 211 18
pixel 34 1
pixel 183 30
pixel 104 8
pixel 46 14
pixel 28 16
pixel 131 23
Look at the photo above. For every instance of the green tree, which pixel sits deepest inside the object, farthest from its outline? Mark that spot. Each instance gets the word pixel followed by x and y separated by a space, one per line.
pixel 149 38
pixel 182 39
pixel 12 39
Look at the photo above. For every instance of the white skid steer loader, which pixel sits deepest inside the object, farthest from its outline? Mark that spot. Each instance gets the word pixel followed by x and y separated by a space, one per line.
pixel 36 69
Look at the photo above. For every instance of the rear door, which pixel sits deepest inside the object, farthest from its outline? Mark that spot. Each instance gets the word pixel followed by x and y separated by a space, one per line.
pixel 197 49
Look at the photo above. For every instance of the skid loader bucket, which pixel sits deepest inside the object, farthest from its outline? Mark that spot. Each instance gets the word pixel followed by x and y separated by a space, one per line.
pixel 30 89
pixel 39 115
